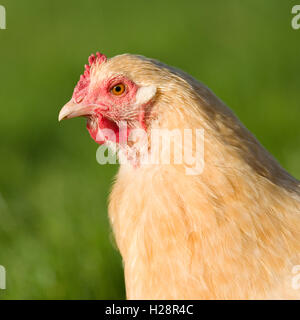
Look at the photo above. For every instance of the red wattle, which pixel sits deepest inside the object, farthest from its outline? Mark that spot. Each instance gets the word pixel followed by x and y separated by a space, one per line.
pixel 112 132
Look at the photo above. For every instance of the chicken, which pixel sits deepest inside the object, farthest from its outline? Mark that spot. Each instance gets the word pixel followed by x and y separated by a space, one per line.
pixel 232 231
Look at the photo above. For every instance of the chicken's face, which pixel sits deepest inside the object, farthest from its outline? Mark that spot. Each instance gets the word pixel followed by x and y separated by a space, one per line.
pixel 108 99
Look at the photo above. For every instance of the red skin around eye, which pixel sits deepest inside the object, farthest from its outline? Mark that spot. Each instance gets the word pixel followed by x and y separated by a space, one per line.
pixel 103 96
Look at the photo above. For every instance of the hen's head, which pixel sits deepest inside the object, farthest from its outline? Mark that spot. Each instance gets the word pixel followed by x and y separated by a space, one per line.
pixel 109 93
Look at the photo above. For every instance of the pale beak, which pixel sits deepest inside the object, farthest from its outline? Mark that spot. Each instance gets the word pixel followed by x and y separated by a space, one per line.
pixel 72 110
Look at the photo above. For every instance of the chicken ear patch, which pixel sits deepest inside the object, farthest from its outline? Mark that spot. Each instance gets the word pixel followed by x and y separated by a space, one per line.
pixel 144 95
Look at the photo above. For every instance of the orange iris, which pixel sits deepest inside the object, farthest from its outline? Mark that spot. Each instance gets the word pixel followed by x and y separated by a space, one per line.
pixel 118 89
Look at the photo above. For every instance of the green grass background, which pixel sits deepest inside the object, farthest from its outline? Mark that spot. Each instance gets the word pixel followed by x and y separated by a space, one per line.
pixel 55 240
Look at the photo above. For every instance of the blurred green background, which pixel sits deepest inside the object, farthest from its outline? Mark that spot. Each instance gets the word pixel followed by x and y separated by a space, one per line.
pixel 55 240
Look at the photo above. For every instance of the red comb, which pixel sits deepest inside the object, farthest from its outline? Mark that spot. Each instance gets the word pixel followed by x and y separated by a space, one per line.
pixel 81 88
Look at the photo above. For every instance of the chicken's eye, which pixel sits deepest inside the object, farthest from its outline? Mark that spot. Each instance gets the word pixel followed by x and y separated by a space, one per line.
pixel 118 89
